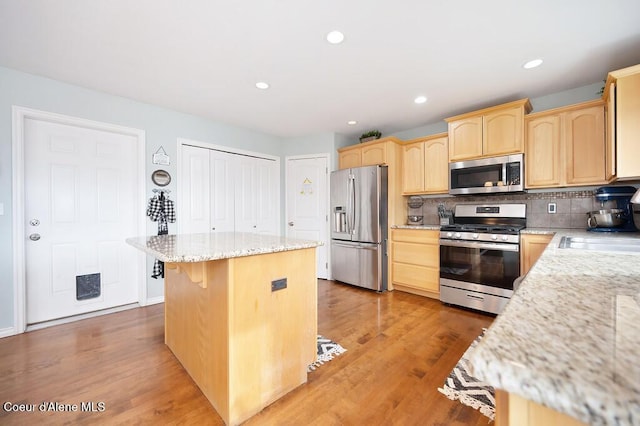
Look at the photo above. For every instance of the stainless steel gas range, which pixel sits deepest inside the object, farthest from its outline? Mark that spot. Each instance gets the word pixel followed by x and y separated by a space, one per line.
pixel 480 255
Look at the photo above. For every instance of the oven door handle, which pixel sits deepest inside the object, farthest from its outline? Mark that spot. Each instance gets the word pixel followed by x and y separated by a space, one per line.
pixel 481 245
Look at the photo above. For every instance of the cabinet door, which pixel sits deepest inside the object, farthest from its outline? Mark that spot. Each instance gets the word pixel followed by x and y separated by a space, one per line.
pixel 531 247
pixel 413 170
pixel 436 166
pixel 610 134
pixel 350 158
pixel 585 146
pixel 194 201
pixel 374 154
pixel 628 125
pixel 465 138
pixel 502 132
pixel 542 161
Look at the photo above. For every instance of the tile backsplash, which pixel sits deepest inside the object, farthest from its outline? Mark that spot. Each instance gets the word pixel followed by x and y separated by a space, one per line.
pixel 571 207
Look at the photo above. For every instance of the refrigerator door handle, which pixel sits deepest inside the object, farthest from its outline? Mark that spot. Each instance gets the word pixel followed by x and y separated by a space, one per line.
pixel 351 207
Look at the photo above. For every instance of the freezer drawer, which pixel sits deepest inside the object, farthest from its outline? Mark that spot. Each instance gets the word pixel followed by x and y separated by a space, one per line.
pixel 359 264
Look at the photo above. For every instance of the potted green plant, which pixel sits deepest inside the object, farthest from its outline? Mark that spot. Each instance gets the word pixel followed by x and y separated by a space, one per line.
pixel 369 136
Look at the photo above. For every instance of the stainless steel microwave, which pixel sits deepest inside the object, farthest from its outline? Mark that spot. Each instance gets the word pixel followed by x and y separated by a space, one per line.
pixel 487 175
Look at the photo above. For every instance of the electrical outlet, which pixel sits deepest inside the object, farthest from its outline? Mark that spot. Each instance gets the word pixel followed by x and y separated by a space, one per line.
pixel 551 208
pixel 278 284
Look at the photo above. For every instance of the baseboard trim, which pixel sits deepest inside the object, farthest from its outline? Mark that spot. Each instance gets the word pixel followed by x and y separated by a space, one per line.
pixel 73 318
pixel 6 332
pixel 155 300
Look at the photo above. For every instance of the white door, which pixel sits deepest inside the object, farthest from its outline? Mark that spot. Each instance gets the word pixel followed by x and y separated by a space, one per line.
pixel 222 166
pixel 245 197
pixel 267 194
pixel 307 204
pixel 81 203
pixel 194 194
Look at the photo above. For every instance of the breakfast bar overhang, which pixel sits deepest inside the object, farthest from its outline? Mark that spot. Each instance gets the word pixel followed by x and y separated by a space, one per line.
pixel 240 314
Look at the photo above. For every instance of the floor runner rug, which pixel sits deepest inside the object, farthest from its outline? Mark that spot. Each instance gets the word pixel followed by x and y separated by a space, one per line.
pixel 467 389
pixel 327 350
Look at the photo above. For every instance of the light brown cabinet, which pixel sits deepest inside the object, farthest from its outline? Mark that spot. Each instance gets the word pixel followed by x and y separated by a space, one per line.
pixel 622 95
pixel 415 261
pixel 488 132
pixel 566 146
pixel 350 157
pixel 531 247
pixel 425 166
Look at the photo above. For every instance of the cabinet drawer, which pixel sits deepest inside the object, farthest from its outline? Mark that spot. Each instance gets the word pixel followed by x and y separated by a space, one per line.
pixel 415 236
pixel 416 276
pixel 416 254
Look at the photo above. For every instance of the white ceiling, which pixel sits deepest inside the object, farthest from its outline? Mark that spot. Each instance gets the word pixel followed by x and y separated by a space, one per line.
pixel 204 57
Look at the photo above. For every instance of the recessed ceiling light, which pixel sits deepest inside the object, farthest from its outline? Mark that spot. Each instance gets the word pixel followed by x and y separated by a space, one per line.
pixel 335 37
pixel 352 122
pixel 420 99
pixel 532 64
pixel 262 85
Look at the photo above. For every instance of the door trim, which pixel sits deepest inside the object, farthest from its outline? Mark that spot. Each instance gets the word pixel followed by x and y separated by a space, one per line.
pixel 327 236
pixel 19 115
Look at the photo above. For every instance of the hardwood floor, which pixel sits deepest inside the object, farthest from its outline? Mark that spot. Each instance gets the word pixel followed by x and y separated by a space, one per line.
pixel 400 348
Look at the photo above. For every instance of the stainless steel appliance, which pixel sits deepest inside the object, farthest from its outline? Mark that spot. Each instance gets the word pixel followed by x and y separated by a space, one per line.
pixel 359 226
pixel 480 255
pixel 487 175
pixel 618 219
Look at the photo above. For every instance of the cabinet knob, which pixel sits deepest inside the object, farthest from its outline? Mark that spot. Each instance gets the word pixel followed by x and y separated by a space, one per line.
pixel 290 224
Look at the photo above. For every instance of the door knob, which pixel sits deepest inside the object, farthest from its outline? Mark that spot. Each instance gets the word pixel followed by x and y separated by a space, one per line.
pixel 34 237
pixel 34 222
pixel 290 223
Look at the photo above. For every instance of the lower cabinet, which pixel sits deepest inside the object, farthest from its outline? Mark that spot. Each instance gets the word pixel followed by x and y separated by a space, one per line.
pixel 512 409
pixel 531 247
pixel 415 261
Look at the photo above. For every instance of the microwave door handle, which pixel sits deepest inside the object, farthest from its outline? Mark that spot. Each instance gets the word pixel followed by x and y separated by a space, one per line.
pixel 504 174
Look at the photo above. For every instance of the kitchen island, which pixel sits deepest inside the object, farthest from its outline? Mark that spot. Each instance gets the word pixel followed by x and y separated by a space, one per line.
pixel 240 314
pixel 565 349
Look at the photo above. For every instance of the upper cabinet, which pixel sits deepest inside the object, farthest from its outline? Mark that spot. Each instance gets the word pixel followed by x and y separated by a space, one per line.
pixel 566 146
pixel 488 132
pixel 622 97
pixel 366 154
pixel 425 166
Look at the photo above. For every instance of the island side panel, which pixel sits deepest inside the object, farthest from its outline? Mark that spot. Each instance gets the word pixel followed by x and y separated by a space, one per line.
pixel 196 328
pixel 273 333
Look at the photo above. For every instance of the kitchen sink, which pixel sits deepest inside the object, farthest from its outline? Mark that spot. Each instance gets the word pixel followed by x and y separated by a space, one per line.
pixel 623 244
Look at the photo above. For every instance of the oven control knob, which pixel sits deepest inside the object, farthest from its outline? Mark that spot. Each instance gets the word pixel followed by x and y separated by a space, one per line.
pixel 505 238
pixel 457 235
pixel 449 234
pixel 475 236
pixel 494 237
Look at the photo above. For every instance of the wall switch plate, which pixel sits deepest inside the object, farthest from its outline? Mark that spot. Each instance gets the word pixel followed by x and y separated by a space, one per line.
pixel 551 208
pixel 278 284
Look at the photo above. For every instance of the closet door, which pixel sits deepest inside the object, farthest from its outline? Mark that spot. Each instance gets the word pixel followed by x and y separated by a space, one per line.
pixel 267 195
pixel 194 212
pixel 222 166
pixel 246 195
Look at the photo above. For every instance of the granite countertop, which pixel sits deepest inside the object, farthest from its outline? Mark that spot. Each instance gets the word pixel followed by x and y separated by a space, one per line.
pixel 569 338
pixel 215 246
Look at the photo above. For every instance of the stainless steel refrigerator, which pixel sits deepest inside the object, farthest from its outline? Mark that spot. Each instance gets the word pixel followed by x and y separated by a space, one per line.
pixel 359 226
